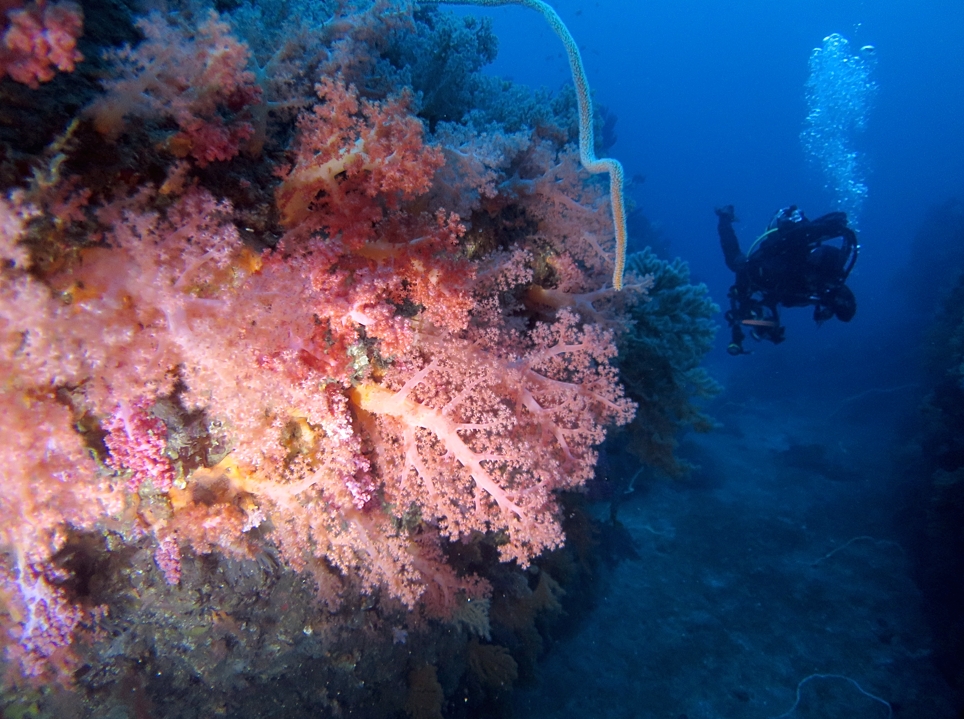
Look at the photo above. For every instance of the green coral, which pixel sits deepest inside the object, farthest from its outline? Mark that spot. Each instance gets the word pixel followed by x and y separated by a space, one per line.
pixel 660 360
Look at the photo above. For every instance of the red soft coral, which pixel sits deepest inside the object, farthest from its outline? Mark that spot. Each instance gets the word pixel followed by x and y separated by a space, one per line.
pixel 197 79
pixel 349 151
pixel 39 39
pixel 356 164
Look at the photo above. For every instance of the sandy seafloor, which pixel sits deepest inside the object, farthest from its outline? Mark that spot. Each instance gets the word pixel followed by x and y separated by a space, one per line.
pixel 776 560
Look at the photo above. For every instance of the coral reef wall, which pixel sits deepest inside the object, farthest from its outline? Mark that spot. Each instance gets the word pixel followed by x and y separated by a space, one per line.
pixel 933 522
pixel 305 326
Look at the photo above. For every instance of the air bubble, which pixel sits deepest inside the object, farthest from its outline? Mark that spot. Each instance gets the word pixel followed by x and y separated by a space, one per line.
pixel 839 92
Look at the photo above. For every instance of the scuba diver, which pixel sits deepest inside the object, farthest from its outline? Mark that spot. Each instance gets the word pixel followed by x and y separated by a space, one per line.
pixel 796 263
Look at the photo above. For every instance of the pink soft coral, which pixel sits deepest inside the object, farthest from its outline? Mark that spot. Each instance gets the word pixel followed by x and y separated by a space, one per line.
pixel 148 297
pixel 50 484
pixel 49 480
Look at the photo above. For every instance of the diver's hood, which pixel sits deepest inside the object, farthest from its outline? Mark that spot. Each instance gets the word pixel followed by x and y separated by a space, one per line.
pixel 787 214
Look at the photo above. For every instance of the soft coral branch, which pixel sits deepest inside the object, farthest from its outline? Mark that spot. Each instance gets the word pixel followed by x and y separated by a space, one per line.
pixel 43 626
pixel 480 440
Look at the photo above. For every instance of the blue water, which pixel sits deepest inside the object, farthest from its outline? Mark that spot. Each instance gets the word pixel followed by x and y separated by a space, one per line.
pixel 710 104
pixel 710 100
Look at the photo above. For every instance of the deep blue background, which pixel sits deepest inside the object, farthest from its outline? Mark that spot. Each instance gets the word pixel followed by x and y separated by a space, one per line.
pixel 710 100
pixel 710 103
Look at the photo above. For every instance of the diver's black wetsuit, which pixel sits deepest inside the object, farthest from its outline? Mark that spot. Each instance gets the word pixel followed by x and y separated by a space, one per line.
pixel 795 263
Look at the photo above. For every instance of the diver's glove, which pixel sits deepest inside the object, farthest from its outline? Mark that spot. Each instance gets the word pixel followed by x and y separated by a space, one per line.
pixel 726 214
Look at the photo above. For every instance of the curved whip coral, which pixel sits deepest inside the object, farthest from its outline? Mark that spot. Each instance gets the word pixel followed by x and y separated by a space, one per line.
pixel 587 154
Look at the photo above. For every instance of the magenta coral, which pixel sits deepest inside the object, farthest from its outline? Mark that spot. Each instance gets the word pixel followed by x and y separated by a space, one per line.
pixel 136 441
pixel 167 555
